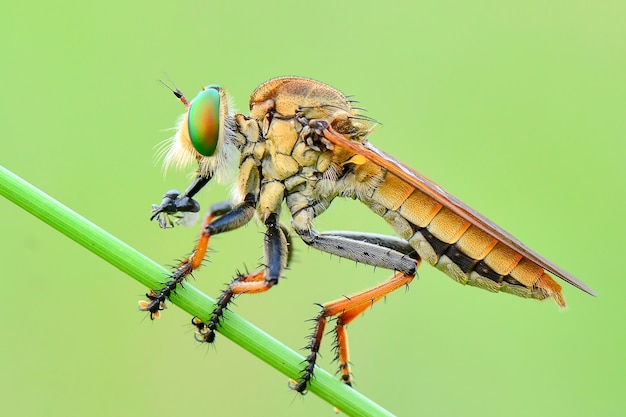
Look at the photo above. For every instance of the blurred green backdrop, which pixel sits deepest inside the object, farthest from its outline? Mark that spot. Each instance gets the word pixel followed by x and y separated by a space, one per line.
pixel 516 107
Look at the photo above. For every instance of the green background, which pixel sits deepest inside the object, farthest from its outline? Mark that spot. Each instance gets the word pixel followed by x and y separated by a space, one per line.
pixel 518 108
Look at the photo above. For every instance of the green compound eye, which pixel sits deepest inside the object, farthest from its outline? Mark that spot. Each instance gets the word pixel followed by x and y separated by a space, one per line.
pixel 204 121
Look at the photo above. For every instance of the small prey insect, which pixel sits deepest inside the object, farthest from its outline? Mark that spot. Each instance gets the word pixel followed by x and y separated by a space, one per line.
pixel 303 145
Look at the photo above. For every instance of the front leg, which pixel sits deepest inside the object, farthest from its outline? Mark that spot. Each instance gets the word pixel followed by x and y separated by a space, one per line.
pixel 174 203
pixel 227 219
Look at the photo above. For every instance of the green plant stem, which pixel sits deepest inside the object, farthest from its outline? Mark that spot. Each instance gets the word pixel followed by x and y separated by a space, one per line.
pixel 190 299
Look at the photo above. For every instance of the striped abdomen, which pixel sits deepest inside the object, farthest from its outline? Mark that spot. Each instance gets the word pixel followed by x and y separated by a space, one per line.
pixel 455 246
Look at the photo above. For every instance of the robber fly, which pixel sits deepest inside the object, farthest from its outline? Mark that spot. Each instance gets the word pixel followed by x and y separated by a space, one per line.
pixel 304 144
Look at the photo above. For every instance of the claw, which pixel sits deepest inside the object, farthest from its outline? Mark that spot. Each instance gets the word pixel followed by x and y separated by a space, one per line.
pixel 163 219
pixel 147 306
pixel 152 306
pixel 299 386
pixel 204 333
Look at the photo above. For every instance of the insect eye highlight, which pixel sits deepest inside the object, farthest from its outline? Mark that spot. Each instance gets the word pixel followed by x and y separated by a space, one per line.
pixel 204 121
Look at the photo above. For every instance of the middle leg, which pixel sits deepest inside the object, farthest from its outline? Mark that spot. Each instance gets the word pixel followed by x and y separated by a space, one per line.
pixel 276 248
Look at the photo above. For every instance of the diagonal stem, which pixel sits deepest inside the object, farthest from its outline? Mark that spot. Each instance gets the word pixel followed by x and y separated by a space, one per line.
pixel 190 299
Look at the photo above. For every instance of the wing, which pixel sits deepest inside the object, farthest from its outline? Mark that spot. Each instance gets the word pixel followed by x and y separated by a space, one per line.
pixel 461 209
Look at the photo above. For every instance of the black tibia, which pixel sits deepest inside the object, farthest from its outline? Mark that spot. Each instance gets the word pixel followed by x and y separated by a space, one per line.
pixel 276 247
pixel 231 218
pixel 173 202
pixel 377 250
